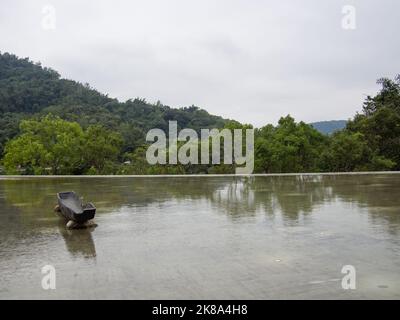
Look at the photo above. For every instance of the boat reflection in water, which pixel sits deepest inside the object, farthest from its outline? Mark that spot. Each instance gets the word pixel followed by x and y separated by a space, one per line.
pixel 79 242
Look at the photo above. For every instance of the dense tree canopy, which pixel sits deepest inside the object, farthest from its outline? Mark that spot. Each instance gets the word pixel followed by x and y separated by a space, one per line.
pixel 55 146
pixel 51 145
pixel 380 122
pixel 288 147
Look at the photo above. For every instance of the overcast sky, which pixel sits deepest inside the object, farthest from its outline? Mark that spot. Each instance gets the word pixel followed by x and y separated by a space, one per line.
pixel 249 60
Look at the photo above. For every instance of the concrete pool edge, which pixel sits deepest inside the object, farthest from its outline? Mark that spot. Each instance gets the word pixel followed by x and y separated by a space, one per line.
pixel 21 177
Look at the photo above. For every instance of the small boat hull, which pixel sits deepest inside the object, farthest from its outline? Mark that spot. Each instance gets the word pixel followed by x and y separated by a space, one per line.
pixel 71 207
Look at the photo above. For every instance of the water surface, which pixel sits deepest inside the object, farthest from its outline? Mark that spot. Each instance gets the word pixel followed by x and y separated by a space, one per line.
pixel 204 238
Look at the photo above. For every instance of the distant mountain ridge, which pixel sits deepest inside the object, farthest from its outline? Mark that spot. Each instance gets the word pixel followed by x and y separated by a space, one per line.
pixel 329 127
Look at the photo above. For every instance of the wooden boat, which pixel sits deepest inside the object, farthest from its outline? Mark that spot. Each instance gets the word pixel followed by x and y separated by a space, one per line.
pixel 72 208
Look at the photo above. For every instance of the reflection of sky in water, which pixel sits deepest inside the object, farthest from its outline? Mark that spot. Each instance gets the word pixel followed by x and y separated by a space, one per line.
pixel 204 237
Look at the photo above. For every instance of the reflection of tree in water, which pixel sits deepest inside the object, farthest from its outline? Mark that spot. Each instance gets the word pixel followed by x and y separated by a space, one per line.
pixel 379 194
pixel 23 208
pixel 296 196
pixel 27 193
pixel 235 198
pixel 292 196
pixel 39 195
pixel 9 215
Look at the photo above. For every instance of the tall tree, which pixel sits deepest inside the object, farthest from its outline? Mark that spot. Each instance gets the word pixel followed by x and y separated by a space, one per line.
pixel 48 145
pixel 101 148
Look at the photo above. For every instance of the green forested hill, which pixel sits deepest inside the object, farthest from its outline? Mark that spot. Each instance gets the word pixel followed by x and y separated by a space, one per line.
pixel 27 89
pixel 50 125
